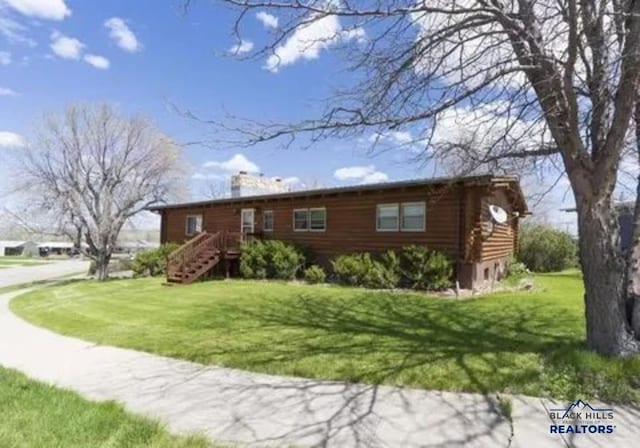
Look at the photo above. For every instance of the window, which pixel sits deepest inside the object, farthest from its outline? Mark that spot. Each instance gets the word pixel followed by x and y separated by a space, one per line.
pixel 387 218
pixel 193 225
pixel 247 222
pixel 318 219
pixel 267 221
pixel 413 214
pixel 301 220
pixel 313 219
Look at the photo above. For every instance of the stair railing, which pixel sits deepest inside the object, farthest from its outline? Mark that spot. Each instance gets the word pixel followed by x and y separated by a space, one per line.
pixel 178 260
pixel 175 258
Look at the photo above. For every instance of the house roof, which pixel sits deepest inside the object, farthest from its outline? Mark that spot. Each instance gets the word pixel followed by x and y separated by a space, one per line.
pixel 56 244
pixel 627 206
pixel 11 243
pixel 488 179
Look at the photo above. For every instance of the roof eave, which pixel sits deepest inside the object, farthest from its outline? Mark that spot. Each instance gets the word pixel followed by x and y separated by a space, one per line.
pixel 485 179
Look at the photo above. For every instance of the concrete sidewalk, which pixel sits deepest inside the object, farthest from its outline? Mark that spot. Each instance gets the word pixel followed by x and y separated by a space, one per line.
pixel 262 410
pixel 55 269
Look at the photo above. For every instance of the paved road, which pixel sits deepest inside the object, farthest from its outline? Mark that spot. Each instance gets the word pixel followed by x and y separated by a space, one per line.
pixel 26 274
pixel 262 410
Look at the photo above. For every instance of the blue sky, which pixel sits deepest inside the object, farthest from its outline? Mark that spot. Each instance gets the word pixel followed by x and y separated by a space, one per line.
pixel 145 55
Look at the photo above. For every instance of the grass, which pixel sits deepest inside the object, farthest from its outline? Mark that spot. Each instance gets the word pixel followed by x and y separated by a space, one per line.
pixel 514 342
pixel 58 280
pixel 11 261
pixel 37 415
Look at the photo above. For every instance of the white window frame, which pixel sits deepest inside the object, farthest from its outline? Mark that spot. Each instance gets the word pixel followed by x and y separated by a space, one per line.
pixel 324 228
pixel 293 217
pixel 186 224
pixel 378 207
pixel 253 220
pixel 424 216
pixel 273 222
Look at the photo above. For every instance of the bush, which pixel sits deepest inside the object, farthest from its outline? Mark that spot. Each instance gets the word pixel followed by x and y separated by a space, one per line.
pixel 425 268
pixel 115 265
pixel 270 259
pixel 350 269
pixel 152 262
pixel 515 269
pixel 545 249
pixel 362 270
pixel 314 274
pixel 253 261
pixel 391 273
pixel 283 261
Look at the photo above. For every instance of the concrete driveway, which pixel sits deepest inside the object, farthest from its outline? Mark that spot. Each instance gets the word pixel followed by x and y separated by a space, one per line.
pixel 54 269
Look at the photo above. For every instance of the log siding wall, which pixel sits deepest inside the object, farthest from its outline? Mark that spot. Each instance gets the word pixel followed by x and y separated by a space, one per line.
pixel 350 221
pixel 453 223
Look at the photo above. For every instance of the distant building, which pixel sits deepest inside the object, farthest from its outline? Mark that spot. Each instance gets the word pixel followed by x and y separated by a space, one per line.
pixel 17 248
pixel 56 248
pixel 133 247
pixel 244 184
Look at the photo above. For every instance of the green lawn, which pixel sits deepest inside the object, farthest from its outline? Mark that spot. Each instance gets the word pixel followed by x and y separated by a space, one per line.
pixel 9 262
pixel 34 414
pixel 525 342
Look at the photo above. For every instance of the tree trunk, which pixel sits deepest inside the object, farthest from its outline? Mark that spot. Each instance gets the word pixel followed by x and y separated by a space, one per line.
pixel 633 255
pixel 102 265
pixel 633 266
pixel 603 267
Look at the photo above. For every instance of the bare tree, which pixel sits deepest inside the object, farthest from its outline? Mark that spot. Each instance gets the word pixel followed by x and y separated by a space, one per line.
pixel 485 84
pixel 215 189
pixel 91 169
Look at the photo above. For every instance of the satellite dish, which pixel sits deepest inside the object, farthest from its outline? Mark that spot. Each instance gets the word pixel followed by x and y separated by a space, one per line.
pixel 498 214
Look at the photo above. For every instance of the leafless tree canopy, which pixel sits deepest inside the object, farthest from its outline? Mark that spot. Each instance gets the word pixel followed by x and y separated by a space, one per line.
pixel 478 81
pixel 92 169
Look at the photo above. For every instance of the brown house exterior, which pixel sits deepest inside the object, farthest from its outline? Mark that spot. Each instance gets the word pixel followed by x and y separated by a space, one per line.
pixel 447 214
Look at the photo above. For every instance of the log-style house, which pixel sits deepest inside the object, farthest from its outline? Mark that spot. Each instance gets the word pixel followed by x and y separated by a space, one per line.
pixel 450 214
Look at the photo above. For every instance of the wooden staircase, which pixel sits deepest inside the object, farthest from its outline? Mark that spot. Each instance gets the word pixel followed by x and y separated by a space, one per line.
pixel 198 256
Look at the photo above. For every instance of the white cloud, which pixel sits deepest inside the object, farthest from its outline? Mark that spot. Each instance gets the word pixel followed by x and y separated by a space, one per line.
pixel 361 174
pixel 236 163
pixel 268 20
pixel 394 137
pixel 306 42
pixel 66 47
pixel 13 31
pixel 4 91
pixel 244 46
pixel 209 176
pixel 41 9
pixel 293 180
pixel 122 35
pixel 11 140
pixel 357 34
pixel 5 58
pixel 97 61
pixel 485 126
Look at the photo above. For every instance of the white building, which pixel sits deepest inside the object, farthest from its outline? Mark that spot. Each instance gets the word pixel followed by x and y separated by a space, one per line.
pixel 17 248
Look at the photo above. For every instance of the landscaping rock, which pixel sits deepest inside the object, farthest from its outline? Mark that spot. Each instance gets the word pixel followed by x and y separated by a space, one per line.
pixel 525 284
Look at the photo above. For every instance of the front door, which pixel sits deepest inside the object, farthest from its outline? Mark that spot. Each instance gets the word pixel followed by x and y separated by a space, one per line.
pixel 247 221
